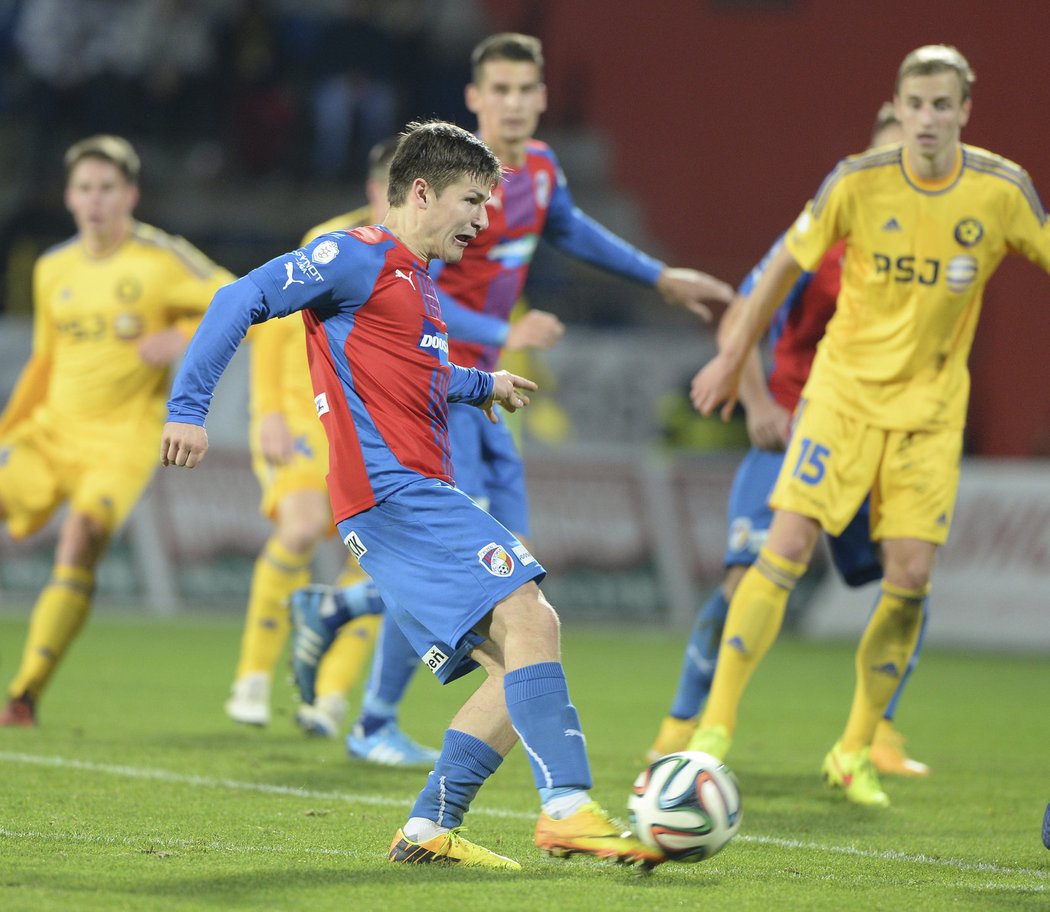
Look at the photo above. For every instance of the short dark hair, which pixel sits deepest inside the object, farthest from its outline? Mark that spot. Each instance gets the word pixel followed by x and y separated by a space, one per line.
pixel 114 149
pixel 512 46
pixel 441 153
pixel 887 117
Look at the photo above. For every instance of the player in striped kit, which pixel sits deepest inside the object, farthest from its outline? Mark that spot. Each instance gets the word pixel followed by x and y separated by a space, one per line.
pixel 532 201
pixel 461 587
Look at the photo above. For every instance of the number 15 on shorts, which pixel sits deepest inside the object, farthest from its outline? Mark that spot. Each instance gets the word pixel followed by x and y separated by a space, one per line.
pixel 811 463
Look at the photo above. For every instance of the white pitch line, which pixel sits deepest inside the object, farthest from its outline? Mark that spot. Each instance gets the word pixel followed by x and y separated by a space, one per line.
pixel 161 775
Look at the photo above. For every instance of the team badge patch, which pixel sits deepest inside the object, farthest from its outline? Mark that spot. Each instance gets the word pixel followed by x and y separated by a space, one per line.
pixel 325 252
pixel 969 231
pixel 739 533
pixel 496 560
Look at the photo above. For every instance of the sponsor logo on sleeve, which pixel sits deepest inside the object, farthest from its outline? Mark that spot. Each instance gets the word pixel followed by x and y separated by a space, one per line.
pixel 289 268
pixel 302 261
pixel 321 404
pixel 496 560
pixel 522 554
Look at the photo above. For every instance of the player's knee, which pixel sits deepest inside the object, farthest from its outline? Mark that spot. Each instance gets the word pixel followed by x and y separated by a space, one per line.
pixel 82 541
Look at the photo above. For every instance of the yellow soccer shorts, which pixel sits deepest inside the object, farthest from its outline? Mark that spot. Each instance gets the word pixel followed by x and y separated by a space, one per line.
pixel 102 472
pixel 306 471
pixel 834 461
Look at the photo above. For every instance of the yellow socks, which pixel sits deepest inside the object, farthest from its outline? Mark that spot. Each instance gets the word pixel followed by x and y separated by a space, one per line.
pixel 342 666
pixel 752 624
pixel 59 613
pixel 278 573
pixel 882 656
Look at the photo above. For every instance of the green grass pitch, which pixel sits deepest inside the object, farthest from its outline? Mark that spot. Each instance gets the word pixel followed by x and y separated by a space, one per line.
pixel 136 793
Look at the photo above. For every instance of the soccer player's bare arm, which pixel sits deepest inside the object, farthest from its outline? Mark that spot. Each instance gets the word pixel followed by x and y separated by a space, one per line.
pixel 718 381
pixel 691 289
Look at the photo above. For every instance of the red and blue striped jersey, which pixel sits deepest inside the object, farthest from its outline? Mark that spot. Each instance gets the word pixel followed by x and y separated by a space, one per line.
pixel 531 202
pixel 378 354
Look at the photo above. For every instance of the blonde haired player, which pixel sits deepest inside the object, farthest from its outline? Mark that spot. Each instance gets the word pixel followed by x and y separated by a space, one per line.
pixel 290 459
pixel 926 223
pixel 113 307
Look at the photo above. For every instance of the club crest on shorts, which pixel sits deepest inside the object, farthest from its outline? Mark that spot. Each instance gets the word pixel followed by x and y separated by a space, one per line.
pixel 496 560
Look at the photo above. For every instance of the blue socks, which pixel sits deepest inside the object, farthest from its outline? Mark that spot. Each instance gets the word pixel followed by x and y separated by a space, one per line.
pixel 394 663
pixel 353 602
pixel 548 725
pixel 465 763
pixel 701 654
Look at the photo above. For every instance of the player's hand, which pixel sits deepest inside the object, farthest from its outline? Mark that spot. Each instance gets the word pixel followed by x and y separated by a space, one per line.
pixel 535 329
pixel 690 288
pixel 768 424
pixel 275 439
pixel 183 444
pixel 507 392
pixel 159 349
pixel 716 384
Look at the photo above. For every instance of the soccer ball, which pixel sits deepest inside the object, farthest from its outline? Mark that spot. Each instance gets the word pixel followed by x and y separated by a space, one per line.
pixel 687 805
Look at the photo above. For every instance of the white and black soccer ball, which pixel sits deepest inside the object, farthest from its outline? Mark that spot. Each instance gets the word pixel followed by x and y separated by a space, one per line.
pixel 687 805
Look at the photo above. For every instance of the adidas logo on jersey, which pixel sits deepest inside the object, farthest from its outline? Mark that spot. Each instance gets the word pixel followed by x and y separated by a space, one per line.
pixel 892 225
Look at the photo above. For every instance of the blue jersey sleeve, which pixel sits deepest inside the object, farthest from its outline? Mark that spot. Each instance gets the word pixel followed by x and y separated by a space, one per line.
pixel 312 276
pixel 470 385
pixel 578 235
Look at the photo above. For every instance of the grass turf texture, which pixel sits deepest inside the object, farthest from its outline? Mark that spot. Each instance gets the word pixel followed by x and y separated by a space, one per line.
pixel 137 793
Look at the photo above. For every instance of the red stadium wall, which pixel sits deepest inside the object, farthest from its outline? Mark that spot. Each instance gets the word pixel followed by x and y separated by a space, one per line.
pixel 726 115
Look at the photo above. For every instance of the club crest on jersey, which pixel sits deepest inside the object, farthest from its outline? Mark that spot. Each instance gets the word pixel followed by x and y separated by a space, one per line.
pixel 969 231
pixel 325 252
pixel 433 341
pixel 496 560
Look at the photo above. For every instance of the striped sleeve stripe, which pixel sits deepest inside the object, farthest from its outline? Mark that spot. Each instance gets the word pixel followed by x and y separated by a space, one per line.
pixel 189 256
pixel 876 159
pixel 1011 173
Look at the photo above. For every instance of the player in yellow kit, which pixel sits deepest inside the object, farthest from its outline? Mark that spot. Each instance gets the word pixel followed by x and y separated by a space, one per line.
pixel 290 459
pixel 926 223
pixel 114 306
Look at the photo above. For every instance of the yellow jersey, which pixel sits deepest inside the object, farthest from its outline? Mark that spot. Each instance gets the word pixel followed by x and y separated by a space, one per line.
pixel 280 376
pixel 918 256
pixel 91 313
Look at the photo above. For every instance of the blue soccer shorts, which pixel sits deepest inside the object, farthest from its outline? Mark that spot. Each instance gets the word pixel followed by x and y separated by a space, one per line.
pixel 855 555
pixel 441 564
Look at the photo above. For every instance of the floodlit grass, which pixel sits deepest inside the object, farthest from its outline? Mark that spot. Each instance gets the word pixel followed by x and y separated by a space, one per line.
pixel 136 793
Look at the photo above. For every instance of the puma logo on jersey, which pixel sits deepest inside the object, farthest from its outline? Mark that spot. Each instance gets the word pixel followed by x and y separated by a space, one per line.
pixel 288 267
pixel 407 276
